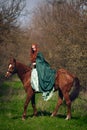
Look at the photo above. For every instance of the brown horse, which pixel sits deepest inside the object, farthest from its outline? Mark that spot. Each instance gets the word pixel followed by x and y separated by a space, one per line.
pixel 63 83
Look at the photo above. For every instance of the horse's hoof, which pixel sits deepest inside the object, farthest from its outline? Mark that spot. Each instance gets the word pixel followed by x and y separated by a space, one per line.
pixel 52 115
pixel 35 114
pixel 68 118
pixel 23 119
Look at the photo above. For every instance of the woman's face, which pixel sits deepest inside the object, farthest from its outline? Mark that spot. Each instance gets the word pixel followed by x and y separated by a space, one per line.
pixel 33 48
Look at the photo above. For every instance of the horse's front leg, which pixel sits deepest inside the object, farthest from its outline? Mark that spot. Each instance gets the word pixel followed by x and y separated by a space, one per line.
pixel 34 105
pixel 28 98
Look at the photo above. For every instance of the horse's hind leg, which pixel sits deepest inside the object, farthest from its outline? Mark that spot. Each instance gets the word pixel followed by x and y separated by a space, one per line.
pixel 68 103
pixel 33 105
pixel 60 101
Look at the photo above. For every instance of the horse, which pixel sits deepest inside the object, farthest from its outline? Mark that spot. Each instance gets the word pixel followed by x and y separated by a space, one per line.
pixel 64 82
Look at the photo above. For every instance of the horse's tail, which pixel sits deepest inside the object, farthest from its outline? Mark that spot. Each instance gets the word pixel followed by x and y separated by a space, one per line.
pixel 76 88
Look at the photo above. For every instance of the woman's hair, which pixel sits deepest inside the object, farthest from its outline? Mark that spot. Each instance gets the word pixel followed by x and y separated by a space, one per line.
pixel 34 51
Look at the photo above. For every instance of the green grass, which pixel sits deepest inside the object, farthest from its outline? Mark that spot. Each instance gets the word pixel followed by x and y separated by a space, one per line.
pixel 12 97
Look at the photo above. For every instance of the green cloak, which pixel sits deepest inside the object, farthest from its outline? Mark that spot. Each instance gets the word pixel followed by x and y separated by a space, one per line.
pixel 46 75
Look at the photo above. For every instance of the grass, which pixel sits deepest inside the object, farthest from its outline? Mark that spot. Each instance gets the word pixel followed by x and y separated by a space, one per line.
pixel 12 97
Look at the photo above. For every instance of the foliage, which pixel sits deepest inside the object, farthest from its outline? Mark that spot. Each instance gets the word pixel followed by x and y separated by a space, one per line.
pixel 10 11
pixel 61 32
pixel 60 29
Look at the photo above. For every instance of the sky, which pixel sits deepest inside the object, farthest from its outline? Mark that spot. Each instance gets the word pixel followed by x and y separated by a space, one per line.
pixel 30 6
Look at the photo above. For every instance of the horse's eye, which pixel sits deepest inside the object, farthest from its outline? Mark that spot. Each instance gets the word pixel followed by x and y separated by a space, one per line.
pixel 11 66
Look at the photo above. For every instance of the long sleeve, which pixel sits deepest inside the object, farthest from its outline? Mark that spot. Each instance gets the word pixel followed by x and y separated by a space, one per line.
pixel 33 57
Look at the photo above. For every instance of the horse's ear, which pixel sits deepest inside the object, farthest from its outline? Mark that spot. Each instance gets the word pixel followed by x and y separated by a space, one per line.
pixel 12 59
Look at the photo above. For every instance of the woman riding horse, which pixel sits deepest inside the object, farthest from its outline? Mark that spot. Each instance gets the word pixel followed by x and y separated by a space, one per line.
pixel 64 81
pixel 42 76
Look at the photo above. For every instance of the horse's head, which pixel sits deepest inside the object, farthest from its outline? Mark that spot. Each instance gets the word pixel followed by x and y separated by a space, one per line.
pixel 11 68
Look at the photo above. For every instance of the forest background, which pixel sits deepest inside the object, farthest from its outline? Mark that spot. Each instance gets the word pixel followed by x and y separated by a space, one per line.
pixel 59 27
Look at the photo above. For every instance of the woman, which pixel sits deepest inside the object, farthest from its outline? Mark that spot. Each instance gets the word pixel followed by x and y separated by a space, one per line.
pixel 42 76
pixel 33 56
pixel 34 74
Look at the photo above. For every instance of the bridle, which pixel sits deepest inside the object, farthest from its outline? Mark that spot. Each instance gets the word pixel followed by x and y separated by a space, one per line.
pixel 12 72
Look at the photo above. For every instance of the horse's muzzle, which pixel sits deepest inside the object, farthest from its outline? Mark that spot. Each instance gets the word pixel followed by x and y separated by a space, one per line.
pixel 7 75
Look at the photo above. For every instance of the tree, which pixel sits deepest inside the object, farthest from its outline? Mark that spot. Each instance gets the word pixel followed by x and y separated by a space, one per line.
pixel 10 10
pixel 61 30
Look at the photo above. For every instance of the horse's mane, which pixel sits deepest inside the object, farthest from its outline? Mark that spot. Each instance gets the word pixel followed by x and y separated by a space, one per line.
pixel 24 68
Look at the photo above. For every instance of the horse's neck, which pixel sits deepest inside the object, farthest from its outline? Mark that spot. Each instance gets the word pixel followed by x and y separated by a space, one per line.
pixel 22 71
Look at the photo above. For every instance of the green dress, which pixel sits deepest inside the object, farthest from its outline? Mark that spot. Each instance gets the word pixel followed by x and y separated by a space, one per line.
pixel 46 75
